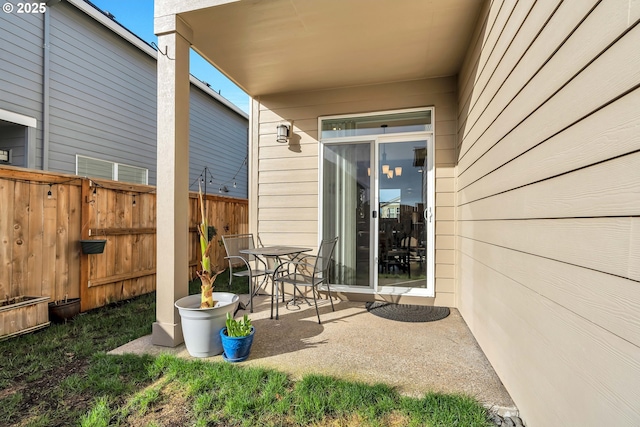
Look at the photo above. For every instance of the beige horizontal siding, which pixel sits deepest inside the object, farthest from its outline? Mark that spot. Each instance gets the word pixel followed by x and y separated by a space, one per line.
pixel 445 213
pixel 505 28
pixel 276 176
pixel 302 214
pixel 280 164
pixel 285 188
pixel 297 226
pixel 603 298
pixel 285 183
pixel 508 59
pixel 572 370
pixel 483 40
pixel 446 285
pixel 445 242
pixel 291 202
pixel 547 246
pixel 604 189
pixel 445 171
pixel 301 239
pixel 445 256
pixel 609 132
pixel 610 245
pixel 530 58
pixel 574 95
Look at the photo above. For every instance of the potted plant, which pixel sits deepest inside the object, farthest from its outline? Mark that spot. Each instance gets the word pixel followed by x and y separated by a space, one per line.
pixel 62 310
pixel 203 316
pixel 237 338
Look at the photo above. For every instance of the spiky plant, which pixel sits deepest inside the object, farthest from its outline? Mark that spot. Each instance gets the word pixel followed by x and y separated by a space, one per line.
pixel 206 275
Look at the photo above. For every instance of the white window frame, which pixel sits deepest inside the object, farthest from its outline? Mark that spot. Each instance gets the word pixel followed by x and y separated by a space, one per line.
pixel 376 139
pixel 115 168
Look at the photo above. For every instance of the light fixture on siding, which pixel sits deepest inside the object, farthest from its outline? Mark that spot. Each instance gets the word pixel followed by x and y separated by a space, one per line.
pixel 5 156
pixel 283 130
pixel 398 170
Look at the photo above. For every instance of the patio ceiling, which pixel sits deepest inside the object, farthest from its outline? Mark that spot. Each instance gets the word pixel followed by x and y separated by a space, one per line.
pixel 273 46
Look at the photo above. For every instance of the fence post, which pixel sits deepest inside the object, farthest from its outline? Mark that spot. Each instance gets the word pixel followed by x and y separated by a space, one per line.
pixel 85 214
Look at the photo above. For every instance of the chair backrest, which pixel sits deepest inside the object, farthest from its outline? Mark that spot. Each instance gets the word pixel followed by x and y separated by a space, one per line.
pixel 409 243
pixel 233 243
pixel 323 259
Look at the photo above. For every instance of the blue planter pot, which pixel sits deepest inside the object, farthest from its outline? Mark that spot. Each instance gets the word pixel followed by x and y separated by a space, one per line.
pixel 201 326
pixel 236 349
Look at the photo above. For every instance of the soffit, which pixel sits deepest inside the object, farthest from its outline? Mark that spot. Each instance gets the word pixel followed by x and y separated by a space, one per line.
pixel 273 46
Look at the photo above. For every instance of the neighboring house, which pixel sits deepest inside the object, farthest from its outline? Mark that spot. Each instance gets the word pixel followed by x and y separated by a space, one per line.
pixel 516 128
pixel 78 94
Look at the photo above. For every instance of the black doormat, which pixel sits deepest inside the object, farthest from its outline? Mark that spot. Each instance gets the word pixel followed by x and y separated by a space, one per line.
pixel 407 312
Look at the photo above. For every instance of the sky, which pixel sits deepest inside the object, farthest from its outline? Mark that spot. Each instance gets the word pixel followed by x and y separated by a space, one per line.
pixel 137 16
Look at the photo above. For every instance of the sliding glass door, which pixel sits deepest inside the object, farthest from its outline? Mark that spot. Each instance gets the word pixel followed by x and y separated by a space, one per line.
pixel 346 210
pixel 377 195
pixel 402 205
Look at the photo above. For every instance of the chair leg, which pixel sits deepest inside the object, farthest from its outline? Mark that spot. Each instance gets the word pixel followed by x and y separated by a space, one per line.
pixel 250 294
pixel 329 296
pixel 277 289
pixel 273 283
pixel 315 302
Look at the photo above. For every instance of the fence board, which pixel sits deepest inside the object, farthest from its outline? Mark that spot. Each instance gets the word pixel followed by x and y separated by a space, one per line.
pixel 61 274
pixel 49 262
pixel 73 249
pixel 35 240
pixel 6 234
pixel 20 232
pixel 49 244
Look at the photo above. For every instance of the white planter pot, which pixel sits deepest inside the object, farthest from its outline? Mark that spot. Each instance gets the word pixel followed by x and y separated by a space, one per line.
pixel 201 326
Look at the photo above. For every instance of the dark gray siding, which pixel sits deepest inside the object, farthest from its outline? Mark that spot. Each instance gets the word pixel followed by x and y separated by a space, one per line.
pixel 217 140
pixel 21 58
pixel 103 99
pixel 103 95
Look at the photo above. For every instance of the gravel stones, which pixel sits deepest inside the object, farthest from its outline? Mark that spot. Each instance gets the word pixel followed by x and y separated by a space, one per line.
pixel 505 421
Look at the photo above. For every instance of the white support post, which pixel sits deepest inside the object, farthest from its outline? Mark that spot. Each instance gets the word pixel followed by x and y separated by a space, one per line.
pixel 172 262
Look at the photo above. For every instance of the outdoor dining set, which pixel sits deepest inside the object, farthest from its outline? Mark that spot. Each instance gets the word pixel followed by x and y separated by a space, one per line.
pixel 280 265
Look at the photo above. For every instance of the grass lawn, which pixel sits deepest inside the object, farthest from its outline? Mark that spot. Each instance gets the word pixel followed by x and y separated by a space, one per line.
pixel 62 376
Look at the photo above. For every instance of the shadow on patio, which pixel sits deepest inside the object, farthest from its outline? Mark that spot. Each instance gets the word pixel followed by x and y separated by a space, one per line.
pixel 354 344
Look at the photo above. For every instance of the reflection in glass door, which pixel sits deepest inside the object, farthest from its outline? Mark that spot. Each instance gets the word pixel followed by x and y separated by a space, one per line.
pixel 377 195
pixel 402 208
pixel 346 208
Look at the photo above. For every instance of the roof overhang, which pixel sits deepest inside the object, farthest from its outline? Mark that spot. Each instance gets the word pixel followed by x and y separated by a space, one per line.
pixel 274 46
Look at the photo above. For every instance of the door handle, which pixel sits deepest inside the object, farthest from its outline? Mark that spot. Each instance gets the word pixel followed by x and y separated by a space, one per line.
pixel 427 214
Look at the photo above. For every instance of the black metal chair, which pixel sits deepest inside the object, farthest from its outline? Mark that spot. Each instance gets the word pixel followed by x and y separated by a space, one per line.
pixel 302 273
pixel 255 267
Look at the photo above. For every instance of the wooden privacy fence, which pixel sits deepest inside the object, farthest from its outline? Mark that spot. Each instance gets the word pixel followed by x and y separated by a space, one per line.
pixel 43 217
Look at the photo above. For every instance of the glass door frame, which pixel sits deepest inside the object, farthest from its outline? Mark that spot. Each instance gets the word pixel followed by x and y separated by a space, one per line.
pixel 428 213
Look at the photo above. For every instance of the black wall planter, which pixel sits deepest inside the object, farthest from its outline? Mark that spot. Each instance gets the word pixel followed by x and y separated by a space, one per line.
pixel 92 246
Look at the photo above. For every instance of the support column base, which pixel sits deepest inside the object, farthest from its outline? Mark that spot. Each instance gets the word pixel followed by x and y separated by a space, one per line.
pixel 166 334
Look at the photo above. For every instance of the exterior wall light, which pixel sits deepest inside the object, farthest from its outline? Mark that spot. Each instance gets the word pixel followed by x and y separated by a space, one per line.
pixel 283 132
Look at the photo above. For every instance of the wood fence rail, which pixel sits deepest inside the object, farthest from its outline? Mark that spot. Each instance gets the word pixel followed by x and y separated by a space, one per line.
pixel 43 217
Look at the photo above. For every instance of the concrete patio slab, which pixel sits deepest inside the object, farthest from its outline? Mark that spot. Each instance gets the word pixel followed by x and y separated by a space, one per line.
pixel 353 344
